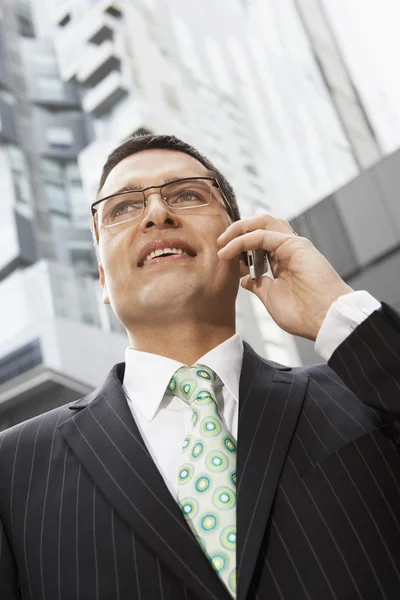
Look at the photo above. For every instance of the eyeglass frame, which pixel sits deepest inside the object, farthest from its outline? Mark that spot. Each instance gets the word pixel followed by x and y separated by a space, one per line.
pixel 158 187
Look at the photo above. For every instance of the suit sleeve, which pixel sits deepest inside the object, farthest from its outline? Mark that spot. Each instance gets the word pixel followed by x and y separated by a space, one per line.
pixel 368 361
pixel 9 588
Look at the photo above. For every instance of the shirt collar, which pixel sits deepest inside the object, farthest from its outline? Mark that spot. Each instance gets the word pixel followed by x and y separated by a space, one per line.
pixel 146 391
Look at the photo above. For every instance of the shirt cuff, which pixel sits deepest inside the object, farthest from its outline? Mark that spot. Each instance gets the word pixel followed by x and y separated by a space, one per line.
pixel 343 316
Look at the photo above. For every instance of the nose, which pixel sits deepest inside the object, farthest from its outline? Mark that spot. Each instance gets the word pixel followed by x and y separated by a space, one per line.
pixel 156 212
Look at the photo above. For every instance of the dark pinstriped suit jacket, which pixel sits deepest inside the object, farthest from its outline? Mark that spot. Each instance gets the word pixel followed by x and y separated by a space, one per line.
pixel 86 515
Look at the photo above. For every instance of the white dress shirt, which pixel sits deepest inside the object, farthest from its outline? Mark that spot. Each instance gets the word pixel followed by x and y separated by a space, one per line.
pixel 163 419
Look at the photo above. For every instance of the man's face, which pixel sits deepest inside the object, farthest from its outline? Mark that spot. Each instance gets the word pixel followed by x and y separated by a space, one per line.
pixel 200 286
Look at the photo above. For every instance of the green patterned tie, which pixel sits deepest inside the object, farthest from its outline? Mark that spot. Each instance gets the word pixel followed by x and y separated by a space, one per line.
pixel 207 475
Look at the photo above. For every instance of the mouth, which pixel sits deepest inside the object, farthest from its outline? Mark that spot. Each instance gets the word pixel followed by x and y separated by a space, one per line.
pixel 167 259
pixel 165 251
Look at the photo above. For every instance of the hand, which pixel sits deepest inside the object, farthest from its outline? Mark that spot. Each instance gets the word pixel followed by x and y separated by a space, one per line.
pixel 305 283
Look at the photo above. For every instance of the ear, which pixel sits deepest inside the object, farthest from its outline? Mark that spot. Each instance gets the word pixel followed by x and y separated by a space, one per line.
pixel 102 278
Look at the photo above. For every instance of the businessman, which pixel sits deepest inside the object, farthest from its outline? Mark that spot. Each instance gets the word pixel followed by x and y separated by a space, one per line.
pixel 198 470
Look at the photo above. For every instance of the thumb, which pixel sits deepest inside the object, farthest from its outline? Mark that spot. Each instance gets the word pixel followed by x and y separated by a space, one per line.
pixel 258 286
pixel 246 282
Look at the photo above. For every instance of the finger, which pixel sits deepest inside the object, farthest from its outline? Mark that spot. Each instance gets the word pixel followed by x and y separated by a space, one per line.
pixel 267 240
pixel 247 225
pixel 286 225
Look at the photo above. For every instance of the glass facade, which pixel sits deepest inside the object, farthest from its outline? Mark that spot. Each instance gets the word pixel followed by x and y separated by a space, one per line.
pixel 368 34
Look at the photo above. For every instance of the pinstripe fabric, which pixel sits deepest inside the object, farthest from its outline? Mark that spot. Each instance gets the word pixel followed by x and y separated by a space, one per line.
pixel 86 515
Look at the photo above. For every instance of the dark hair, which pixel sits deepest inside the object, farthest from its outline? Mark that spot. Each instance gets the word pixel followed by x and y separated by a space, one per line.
pixel 137 143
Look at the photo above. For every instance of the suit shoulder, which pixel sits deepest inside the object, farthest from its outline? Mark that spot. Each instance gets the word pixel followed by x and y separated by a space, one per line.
pixel 29 430
pixel 328 395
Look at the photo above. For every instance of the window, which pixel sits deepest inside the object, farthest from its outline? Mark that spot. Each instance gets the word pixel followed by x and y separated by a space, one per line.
pixel 171 97
pixel 50 87
pixel 54 186
pixel 65 19
pixel 251 169
pixel 21 188
pixel 19 171
pixel 45 63
pixel 113 10
pixel 82 259
pixel 77 198
pixel 24 18
pixel 60 137
pixel 56 197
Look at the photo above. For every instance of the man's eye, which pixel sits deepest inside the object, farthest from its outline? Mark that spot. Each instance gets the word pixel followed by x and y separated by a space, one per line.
pixel 118 210
pixel 186 198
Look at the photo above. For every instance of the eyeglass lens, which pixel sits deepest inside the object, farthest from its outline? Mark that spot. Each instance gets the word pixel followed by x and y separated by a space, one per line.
pixel 178 195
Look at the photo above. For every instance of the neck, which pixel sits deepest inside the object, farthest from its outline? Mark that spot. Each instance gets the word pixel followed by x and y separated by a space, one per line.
pixel 186 342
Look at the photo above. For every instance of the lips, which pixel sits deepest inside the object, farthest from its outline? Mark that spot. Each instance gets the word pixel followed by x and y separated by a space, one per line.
pixel 164 243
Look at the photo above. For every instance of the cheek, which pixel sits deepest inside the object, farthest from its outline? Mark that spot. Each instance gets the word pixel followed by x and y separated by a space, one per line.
pixel 216 227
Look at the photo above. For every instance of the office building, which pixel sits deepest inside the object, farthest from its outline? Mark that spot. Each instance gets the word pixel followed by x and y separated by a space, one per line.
pixel 261 88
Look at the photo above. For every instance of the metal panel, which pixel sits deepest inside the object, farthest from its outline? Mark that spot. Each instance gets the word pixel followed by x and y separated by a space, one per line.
pixel 387 176
pixel 366 218
pixel 381 280
pixel 323 225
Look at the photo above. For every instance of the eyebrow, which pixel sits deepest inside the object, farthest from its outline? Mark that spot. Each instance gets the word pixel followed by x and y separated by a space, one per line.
pixel 134 187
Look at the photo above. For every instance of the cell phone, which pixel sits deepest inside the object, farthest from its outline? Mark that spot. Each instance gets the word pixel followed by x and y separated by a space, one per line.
pixel 258 263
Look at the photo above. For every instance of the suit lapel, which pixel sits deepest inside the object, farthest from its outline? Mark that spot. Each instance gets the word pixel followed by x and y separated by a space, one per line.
pixel 105 438
pixel 270 399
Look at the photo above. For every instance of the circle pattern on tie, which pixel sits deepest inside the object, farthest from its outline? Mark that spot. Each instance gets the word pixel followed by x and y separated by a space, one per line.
pixel 187 388
pixel 204 374
pixel 209 522
pixel 210 426
pixel 186 442
pixel 203 483
pixel 204 397
pixel 216 461
pixel 186 473
pixel 197 449
pixel 229 444
pixel 232 580
pixel 190 508
pixel 228 538
pixel 219 561
pixel 207 475
pixel 224 498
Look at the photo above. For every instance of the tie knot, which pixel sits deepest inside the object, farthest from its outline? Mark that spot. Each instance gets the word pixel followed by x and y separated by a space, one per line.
pixel 192 382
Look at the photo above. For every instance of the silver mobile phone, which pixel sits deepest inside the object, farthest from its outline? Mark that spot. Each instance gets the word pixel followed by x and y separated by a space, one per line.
pixel 258 263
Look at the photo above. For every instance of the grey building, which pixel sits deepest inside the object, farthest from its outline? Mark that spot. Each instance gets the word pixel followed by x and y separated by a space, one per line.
pixel 262 89
pixel 358 230
pixel 49 304
pixel 42 131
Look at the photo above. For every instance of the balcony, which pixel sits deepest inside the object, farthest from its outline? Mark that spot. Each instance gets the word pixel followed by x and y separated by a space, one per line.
pixel 101 28
pixel 102 98
pixel 74 40
pixel 98 62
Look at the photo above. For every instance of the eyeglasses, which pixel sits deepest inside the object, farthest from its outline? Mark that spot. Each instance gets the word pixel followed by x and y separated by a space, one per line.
pixel 182 194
